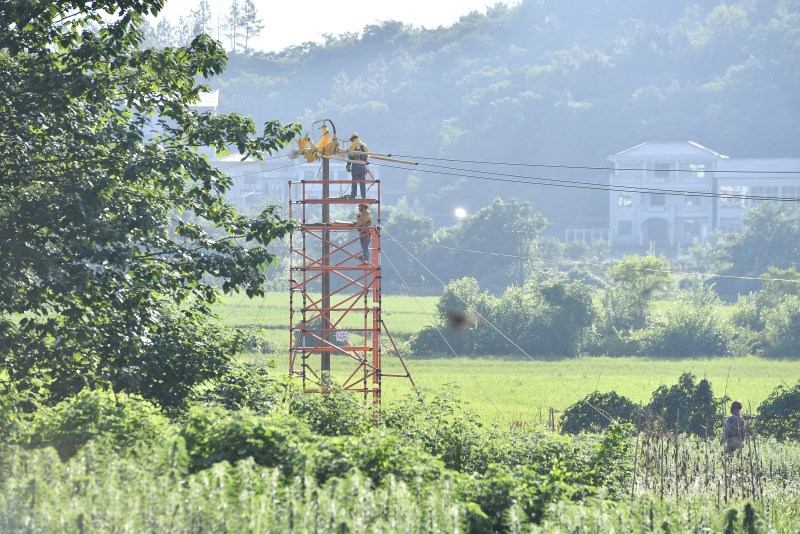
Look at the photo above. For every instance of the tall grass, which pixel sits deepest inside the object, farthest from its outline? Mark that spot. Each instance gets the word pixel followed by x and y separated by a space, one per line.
pixel 97 491
pixel 100 490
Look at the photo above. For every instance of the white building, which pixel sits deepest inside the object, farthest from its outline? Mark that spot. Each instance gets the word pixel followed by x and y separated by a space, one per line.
pixel 674 193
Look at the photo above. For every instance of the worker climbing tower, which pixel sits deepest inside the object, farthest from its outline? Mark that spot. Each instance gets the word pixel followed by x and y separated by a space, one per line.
pixel 336 326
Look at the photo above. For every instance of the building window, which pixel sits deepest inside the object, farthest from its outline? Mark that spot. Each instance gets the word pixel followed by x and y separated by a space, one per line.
pixel 691 227
pixel 658 200
pixel 698 170
pixel 790 191
pixel 625 200
pixel 661 171
pixel 625 227
pixel 691 201
pixel 731 196
pixel 767 191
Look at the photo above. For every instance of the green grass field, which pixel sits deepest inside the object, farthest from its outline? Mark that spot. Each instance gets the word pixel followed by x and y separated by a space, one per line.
pixel 511 388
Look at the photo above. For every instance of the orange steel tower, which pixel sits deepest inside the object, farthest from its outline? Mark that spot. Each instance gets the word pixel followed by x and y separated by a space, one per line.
pixel 336 325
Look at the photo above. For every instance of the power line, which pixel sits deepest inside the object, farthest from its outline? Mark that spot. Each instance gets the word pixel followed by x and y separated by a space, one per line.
pixel 584 167
pixel 571 184
pixel 444 338
pixel 504 336
pixel 595 264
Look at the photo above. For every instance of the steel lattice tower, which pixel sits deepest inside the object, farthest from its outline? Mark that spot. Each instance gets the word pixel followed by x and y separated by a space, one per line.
pixel 336 325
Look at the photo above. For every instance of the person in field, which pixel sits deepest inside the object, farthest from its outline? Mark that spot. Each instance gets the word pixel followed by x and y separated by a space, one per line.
pixel 733 430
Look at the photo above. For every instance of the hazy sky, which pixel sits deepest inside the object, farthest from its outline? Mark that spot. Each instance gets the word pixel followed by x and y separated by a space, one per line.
pixel 289 23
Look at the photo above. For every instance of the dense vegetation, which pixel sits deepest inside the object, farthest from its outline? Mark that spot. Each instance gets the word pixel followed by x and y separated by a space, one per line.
pixel 305 464
pixel 121 407
pixel 610 309
pixel 112 224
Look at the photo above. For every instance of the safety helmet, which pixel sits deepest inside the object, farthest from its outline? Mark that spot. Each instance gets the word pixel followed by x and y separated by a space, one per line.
pixel 353 136
pixel 736 405
pixel 363 204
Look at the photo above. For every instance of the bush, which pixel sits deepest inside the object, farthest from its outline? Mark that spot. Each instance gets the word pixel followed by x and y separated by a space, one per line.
pixel 442 427
pixel 254 340
pixel 687 406
pixel 215 435
pixel 11 419
pixel 378 455
pixel 621 313
pixel 782 329
pixel 583 416
pixel 334 414
pixel 551 316
pixel 779 414
pixel 121 420
pixel 692 328
pixel 243 386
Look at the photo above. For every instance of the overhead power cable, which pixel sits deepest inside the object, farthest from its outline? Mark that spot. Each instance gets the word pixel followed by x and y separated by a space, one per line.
pixel 571 184
pixel 444 338
pixel 504 336
pixel 587 167
pixel 596 264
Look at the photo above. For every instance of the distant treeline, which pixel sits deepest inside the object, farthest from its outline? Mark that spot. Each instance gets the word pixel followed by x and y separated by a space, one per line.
pixel 562 82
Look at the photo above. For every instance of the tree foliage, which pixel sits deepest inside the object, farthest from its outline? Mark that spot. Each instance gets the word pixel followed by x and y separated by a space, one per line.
pixel 101 280
pixel 504 227
pixel 687 406
pixel 597 411
pixel 779 414
pixel 691 328
pixel 770 239
pixel 528 92
pixel 551 316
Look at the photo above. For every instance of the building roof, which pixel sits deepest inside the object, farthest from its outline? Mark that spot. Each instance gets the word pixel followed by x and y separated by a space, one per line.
pixel 759 168
pixel 682 150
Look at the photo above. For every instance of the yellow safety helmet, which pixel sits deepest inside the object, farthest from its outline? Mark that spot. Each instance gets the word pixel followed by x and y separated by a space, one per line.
pixel 353 136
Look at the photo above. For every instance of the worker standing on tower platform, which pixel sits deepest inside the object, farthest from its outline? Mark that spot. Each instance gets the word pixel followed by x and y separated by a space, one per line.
pixel 364 223
pixel 358 171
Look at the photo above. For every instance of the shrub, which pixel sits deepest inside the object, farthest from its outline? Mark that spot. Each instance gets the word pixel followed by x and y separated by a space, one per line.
pixel 583 416
pixel 779 414
pixel 254 340
pixel 243 386
pixel 692 328
pixel 121 420
pixel 782 329
pixel 551 316
pixel 11 419
pixel 215 435
pixel 687 406
pixel 620 313
pixel 380 455
pixel 334 414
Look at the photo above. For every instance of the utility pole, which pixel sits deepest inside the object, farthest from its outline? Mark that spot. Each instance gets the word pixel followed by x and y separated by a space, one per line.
pixel 325 363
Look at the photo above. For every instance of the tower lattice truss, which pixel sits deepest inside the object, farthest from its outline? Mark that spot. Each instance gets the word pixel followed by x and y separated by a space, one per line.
pixel 335 292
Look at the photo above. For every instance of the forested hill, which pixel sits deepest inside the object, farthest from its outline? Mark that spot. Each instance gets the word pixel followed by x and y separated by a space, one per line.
pixel 548 81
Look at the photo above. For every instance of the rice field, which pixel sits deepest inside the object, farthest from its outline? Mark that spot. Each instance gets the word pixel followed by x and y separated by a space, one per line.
pixel 509 388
